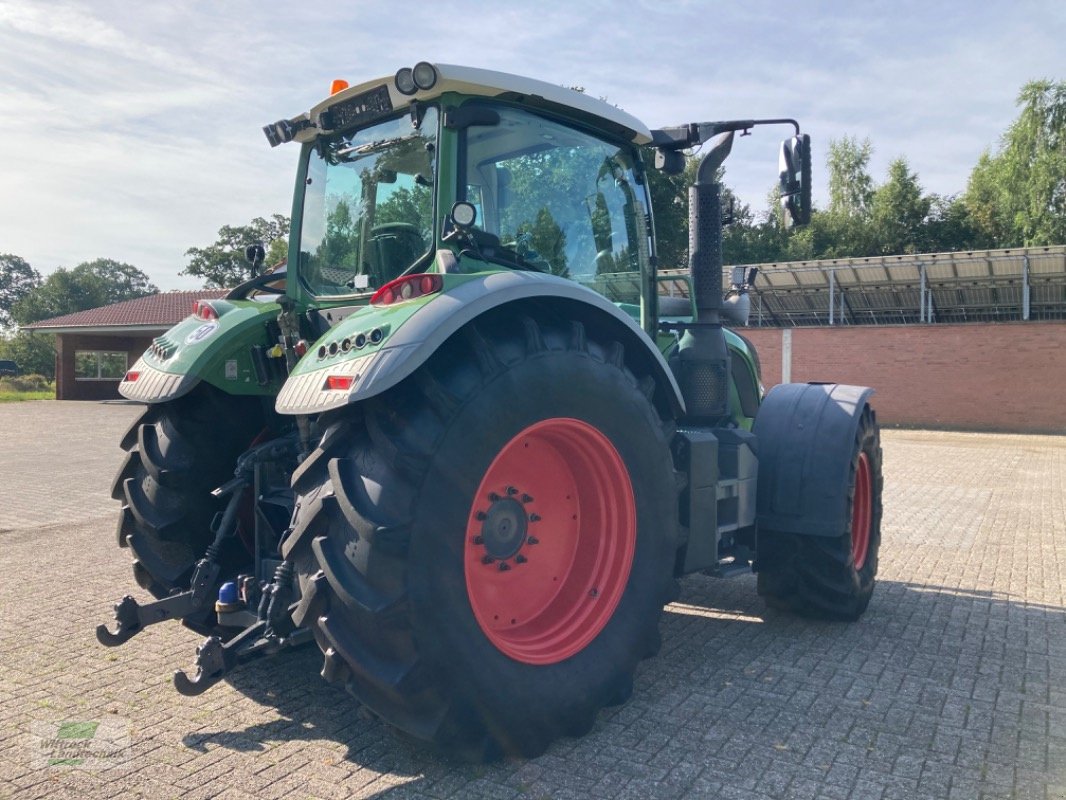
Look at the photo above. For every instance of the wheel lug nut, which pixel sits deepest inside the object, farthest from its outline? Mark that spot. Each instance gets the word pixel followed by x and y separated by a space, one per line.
pixel 511 490
pixel 532 540
pixel 478 540
pixel 534 517
pixel 520 559
pixel 481 515
pixel 487 560
pixel 527 499
pixel 594 593
pixel 493 497
pixel 503 566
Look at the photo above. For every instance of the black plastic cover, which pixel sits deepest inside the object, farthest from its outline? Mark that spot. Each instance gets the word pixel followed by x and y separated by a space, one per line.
pixel 806 437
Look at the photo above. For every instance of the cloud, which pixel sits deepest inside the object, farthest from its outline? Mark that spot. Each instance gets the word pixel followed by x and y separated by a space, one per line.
pixel 132 131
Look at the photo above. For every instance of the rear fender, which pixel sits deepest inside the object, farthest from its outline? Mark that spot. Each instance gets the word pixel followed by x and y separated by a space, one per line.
pixel 217 351
pixel 412 331
pixel 806 434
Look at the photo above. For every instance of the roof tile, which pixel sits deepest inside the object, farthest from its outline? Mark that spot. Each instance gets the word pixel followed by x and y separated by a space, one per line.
pixel 163 309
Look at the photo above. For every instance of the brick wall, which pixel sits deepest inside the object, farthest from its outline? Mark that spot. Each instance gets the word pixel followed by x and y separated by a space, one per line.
pixel 1004 376
pixel 69 388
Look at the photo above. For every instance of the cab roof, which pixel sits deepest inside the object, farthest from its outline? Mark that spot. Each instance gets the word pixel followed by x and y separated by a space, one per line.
pixel 486 83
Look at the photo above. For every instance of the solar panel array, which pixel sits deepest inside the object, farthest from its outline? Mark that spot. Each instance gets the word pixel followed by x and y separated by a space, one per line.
pixel 978 286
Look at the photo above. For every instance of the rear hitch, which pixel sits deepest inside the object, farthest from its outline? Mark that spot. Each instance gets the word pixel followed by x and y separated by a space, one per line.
pixel 214 659
pixel 273 632
pixel 132 617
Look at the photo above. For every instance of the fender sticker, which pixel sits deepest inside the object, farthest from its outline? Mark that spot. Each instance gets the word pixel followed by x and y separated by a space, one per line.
pixel 203 332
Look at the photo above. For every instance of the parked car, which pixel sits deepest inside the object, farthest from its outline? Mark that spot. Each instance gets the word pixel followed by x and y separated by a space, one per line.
pixel 8 368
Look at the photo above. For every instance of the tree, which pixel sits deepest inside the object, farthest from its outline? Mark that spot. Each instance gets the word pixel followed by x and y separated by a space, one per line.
pixel 850 185
pixel 17 279
pixel 223 263
pixel 89 285
pixel 899 211
pixel 669 201
pixel 34 352
pixel 950 226
pixel 1017 196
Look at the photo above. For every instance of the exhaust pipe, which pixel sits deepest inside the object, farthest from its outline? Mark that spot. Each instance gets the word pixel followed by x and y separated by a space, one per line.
pixel 702 362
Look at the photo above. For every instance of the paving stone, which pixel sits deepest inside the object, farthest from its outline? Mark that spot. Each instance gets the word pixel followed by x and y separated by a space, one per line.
pixel 951 685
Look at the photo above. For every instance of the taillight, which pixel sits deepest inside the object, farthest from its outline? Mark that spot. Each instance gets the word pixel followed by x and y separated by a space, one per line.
pixel 204 310
pixel 131 376
pixel 407 288
pixel 339 383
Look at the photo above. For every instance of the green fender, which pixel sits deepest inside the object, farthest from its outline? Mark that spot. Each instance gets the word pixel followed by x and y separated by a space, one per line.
pixel 217 351
pixel 410 332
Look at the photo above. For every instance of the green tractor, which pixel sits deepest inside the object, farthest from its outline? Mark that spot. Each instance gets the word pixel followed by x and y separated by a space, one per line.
pixel 462 441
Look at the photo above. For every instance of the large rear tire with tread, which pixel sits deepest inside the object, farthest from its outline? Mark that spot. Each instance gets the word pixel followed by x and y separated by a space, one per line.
pixel 485 550
pixel 831 577
pixel 177 452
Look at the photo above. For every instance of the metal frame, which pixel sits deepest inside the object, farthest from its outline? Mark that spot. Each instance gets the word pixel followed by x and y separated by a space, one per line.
pixel 1017 284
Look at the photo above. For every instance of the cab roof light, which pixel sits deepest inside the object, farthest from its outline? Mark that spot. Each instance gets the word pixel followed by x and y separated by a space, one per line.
pixel 424 75
pixel 338 86
pixel 407 287
pixel 405 81
pixel 421 77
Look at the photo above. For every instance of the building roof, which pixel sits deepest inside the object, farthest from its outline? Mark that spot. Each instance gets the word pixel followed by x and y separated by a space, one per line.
pixel 153 312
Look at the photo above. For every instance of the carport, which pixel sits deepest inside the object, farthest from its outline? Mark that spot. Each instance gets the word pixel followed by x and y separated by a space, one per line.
pixel 95 347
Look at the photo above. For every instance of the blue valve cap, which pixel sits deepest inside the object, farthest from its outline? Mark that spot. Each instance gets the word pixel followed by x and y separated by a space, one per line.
pixel 227 593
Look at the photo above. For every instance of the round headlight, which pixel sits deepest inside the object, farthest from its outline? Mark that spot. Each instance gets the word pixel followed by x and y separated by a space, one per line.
pixel 405 81
pixel 424 75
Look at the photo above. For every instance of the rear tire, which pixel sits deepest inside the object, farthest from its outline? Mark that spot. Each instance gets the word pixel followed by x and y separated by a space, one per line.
pixel 176 453
pixel 831 577
pixel 408 496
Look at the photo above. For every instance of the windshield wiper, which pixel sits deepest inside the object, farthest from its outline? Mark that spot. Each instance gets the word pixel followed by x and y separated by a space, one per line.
pixel 371 147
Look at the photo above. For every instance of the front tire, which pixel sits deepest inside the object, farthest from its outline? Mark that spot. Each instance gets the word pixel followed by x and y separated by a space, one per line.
pixel 831 577
pixel 486 549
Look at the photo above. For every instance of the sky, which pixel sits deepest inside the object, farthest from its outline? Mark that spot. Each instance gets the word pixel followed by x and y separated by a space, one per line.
pixel 133 131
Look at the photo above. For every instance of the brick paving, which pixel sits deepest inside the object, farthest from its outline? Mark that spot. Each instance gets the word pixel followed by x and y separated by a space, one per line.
pixel 953 685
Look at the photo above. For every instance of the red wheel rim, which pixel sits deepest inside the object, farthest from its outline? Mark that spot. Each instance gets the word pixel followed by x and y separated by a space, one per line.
pixel 550 540
pixel 861 512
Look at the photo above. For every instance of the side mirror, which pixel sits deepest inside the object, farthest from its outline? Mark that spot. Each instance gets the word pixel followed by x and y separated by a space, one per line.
pixel 795 168
pixel 672 162
pixel 255 255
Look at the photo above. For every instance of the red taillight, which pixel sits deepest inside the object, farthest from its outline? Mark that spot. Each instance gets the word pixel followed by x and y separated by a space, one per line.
pixel 340 383
pixel 131 376
pixel 407 288
pixel 204 310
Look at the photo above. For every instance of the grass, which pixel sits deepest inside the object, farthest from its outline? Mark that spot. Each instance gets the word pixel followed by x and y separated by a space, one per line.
pixel 26 387
pixel 16 397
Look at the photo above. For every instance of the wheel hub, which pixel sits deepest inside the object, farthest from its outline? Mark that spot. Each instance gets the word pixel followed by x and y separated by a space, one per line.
pixel 542 589
pixel 504 530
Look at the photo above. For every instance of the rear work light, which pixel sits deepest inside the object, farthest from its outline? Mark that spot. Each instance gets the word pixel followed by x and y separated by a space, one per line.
pixel 407 288
pixel 131 376
pixel 339 383
pixel 204 310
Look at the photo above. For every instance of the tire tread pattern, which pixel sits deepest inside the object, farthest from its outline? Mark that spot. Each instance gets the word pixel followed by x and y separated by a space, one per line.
pixel 350 543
